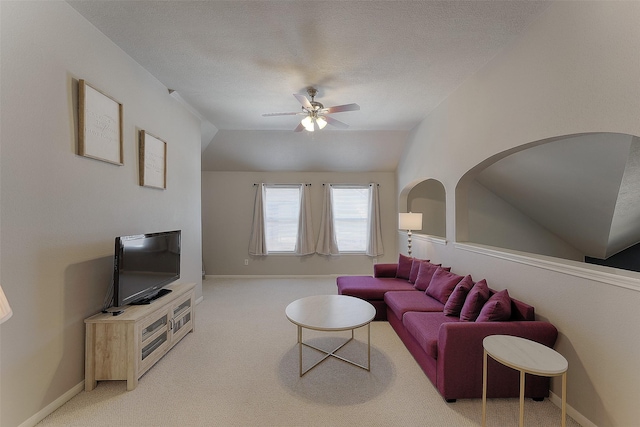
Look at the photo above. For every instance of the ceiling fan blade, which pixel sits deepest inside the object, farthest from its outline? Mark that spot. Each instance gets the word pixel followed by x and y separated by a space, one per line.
pixel 336 123
pixel 279 114
pixel 341 108
pixel 299 128
pixel 304 101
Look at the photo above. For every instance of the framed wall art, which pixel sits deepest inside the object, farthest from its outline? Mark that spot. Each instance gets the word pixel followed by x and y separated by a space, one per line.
pixel 153 161
pixel 100 125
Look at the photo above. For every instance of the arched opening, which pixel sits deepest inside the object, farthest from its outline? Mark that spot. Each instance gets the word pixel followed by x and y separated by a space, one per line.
pixel 429 198
pixel 575 197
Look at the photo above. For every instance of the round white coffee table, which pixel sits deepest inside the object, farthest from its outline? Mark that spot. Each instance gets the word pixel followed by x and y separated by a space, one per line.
pixel 331 313
pixel 528 357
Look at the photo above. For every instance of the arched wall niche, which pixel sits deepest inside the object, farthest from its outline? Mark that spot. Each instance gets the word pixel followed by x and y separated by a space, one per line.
pixel 428 197
pixel 574 197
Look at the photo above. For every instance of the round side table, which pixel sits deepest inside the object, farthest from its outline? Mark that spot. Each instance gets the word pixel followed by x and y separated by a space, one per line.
pixel 528 357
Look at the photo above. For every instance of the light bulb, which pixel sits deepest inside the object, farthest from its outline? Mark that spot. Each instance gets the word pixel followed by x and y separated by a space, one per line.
pixel 307 122
pixel 322 122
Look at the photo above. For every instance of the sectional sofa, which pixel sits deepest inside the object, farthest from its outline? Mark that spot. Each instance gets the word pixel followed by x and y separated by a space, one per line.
pixel 442 318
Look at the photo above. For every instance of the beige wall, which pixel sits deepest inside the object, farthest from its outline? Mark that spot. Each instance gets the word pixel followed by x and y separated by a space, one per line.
pixel 61 212
pixel 227 212
pixel 574 71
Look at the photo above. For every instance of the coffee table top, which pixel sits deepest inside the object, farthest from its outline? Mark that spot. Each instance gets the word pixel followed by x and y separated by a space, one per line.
pixel 330 312
pixel 526 355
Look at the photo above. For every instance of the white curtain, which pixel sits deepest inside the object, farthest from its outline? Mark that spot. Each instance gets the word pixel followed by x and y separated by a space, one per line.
pixel 258 241
pixel 374 246
pixel 327 243
pixel 304 242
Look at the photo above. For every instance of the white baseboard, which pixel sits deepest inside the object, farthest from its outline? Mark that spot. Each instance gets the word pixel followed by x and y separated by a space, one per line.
pixel 581 419
pixel 259 276
pixel 51 407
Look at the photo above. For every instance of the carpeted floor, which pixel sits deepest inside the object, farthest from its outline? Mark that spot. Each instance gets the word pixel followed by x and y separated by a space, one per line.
pixel 240 368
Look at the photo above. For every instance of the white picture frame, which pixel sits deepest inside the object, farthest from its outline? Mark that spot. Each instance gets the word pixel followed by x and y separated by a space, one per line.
pixel 153 161
pixel 100 125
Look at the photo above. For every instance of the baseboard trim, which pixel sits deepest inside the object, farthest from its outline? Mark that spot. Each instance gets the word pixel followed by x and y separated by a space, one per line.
pixel 571 411
pixel 51 407
pixel 275 276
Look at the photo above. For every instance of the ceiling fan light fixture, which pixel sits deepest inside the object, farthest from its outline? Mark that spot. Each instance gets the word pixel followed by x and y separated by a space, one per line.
pixel 307 122
pixel 321 121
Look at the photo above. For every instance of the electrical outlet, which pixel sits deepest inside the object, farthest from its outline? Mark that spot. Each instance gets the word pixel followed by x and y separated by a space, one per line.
pixel 375 260
pixel 246 262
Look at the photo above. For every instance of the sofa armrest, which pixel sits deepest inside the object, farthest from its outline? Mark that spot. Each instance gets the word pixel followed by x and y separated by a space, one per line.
pixel 460 356
pixel 385 270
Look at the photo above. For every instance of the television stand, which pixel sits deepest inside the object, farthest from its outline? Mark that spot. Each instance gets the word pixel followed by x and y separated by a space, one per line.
pixel 124 347
pixel 145 301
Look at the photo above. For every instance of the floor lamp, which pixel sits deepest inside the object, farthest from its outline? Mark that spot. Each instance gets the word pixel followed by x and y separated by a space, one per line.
pixel 409 221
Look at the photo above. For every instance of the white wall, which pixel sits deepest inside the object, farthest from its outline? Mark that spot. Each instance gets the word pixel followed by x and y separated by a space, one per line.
pixel 61 212
pixel 494 222
pixel 574 71
pixel 227 212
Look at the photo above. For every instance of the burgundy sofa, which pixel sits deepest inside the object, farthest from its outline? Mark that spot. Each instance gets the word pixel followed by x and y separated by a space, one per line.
pixel 449 350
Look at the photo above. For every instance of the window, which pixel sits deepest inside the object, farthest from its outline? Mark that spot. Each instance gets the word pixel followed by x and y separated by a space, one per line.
pixel 351 217
pixel 282 211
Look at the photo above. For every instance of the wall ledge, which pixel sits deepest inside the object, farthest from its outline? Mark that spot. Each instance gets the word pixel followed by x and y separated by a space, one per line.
pixel 426 238
pixel 610 276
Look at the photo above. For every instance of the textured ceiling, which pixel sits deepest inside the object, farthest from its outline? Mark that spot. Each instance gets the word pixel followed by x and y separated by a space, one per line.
pixel 232 61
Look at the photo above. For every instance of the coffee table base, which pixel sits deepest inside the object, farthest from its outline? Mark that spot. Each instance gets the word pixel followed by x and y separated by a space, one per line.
pixel 329 354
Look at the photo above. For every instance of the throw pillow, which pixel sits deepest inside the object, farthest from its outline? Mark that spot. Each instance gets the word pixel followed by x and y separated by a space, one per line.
pixel 404 267
pixel 456 299
pixel 442 284
pixel 476 298
pixel 425 273
pixel 497 308
pixel 414 269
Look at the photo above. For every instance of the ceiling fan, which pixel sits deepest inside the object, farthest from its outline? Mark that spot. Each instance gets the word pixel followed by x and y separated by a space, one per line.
pixel 316 116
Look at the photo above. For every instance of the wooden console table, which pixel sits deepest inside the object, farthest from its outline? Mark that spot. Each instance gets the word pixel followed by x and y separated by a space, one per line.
pixel 124 347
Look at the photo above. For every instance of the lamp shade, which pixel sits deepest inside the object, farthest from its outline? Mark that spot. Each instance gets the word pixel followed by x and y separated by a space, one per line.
pixel 5 310
pixel 410 221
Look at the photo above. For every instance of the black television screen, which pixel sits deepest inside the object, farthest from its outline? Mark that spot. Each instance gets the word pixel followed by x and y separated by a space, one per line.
pixel 144 264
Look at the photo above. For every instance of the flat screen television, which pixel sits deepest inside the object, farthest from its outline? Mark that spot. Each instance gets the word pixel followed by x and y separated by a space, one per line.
pixel 143 264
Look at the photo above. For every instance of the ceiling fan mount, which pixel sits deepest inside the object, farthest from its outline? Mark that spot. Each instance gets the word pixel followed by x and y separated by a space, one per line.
pixel 316 115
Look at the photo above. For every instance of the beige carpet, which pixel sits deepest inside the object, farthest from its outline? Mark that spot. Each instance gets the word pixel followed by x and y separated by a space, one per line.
pixel 240 368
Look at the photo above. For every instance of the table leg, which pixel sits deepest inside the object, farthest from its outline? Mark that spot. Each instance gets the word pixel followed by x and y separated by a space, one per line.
pixel 300 348
pixel 484 389
pixel 564 399
pixel 521 423
pixel 369 348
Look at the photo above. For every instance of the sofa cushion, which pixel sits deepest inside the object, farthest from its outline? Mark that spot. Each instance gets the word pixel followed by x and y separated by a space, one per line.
pixel 424 327
pixel 370 288
pixel 497 308
pixel 454 304
pixel 415 267
pixel 476 298
pixel 425 273
pixel 400 302
pixel 442 284
pixel 404 267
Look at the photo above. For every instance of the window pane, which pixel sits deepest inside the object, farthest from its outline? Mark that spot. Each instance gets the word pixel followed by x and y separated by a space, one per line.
pixel 282 208
pixel 351 216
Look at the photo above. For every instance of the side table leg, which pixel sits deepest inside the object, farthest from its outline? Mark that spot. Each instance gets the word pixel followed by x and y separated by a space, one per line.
pixel 484 389
pixel 521 423
pixel 564 399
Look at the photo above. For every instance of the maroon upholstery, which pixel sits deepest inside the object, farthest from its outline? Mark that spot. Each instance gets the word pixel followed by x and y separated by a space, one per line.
pixel 449 350
pixel 401 302
pixel 384 270
pixel 372 289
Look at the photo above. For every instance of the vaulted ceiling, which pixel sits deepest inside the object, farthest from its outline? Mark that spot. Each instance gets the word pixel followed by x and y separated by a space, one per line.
pixel 232 61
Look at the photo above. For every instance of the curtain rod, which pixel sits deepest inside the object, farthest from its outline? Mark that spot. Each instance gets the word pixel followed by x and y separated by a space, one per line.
pixel 354 185
pixel 254 184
